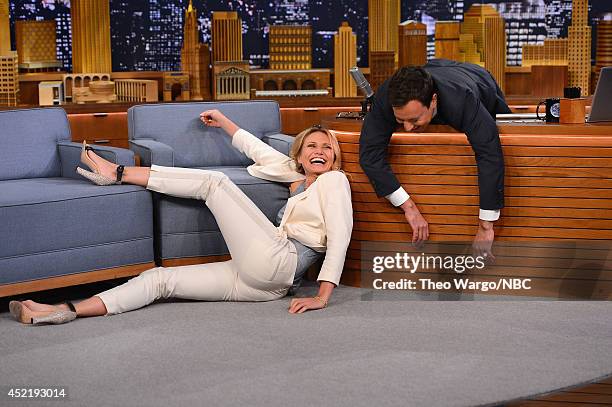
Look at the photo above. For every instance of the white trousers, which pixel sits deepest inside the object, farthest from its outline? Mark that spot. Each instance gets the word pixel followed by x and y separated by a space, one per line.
pixel 263 261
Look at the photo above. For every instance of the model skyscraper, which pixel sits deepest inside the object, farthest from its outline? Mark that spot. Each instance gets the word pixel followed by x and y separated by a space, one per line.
pixel 447 40
pixel 382 67
pixel 383 19
pixel 552 52
pixel 36 45
pixel 290 47
pixel 412 43
pixel 579 47
pixel 345 57
pixel 487 27
pixel 5 32
pixel 9 70
pixel 226 36
pixel 603 54
pixel 195 57
pixel 91 47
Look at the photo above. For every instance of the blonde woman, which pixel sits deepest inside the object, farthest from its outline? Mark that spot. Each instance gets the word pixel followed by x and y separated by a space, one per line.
pixel 266 260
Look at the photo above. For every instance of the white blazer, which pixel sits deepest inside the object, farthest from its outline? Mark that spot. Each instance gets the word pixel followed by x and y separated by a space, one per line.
pixel 321 217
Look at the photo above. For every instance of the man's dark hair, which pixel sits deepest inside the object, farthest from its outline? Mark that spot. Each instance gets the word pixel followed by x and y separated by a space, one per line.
pixel 410 83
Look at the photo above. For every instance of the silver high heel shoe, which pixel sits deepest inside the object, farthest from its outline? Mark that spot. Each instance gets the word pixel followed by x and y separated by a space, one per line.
pixel 94 175
pixel 19 312
pixel 55 318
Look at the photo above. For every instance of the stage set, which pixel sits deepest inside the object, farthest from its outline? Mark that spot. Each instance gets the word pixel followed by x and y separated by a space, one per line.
pixel 531 328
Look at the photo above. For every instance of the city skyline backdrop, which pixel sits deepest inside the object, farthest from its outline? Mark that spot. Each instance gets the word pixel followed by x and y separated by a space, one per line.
pixel 146 35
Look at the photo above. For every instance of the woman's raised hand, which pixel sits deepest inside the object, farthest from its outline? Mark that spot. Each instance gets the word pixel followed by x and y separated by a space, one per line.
pixel 212 118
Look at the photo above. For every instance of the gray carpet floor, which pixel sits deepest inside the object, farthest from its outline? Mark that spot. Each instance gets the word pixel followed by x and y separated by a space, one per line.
pixel 361 351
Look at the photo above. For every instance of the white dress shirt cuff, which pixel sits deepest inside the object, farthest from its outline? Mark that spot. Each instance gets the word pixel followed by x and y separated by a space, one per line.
pixel 398 197
pixel 489 214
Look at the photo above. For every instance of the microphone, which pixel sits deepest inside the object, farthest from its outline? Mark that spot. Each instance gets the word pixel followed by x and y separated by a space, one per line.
pixel 361 82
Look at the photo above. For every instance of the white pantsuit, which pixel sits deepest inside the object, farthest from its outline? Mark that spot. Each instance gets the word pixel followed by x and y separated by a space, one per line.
pixel 262 265
pixel 264 260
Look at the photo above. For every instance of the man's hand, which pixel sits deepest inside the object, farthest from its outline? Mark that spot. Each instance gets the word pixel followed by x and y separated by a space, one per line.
pixel 484 240
pixel 420 228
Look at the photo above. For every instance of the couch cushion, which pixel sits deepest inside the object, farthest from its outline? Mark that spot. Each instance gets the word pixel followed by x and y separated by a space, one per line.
pixel 178 125
pixel 187 228
pixel 51 226
pixel 28 144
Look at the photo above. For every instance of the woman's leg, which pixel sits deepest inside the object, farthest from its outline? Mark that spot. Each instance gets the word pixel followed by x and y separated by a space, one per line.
pixel 204 282
pixel 90 307
pixel 260 254
pixel 131 175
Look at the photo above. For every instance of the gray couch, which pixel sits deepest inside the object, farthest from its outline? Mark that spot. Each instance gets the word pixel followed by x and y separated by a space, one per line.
pixel 58 229
pixel 172 135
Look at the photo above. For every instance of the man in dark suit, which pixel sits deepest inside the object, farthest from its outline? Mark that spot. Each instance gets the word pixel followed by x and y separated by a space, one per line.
pixel 464 96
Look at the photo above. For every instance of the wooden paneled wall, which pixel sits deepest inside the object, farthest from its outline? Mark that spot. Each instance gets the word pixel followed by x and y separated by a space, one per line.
pixel 558 193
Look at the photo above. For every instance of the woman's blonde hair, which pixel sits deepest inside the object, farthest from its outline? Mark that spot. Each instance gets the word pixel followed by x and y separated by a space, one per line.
pixel 296 148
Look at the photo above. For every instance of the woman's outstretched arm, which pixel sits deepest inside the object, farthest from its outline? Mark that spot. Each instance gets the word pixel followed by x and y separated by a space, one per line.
pixel 215 118
pixel 270 164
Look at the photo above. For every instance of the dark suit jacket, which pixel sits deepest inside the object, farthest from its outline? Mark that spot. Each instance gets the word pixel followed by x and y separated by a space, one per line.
pixel 468 99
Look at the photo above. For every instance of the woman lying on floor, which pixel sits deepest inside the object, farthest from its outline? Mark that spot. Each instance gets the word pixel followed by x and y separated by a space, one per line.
pixel 266 260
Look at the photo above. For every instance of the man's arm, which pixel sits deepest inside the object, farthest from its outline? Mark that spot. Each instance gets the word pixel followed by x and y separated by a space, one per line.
pixel 376 132
pixel 378 126
pixel 483 135
pixel 481 131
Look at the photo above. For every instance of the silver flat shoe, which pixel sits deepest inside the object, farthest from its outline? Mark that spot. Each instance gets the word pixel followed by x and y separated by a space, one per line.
pixel 55 318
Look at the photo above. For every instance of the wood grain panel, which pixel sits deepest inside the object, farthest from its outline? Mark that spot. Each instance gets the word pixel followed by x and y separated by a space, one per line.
pixel 558 192
pixel 509 191
pixel 509 161
pixel 416 179
pixel 73 279
pixel 509 150
pixel 384 207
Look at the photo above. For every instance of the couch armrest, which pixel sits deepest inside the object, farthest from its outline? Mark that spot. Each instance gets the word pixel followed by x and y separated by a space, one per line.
pixel 280 142
pixel 153 152
pixel 70 157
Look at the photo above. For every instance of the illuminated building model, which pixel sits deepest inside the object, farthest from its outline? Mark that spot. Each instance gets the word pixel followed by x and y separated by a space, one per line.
pixel 136 90
pixel 230 72
pixel 91 47
pixel 80 80
pixel 447 40
pixel 290 47
pixel 96 92
pixel 345 57
pixel 603 53
pixel 176 86
pixel 50 93
pixel 579 47
pixel 382 67
pixel 9 62
pixel 266 83
pixel 487 28
pixel 552 52
pixel 412 44
pixel 232 81
pixel 226 36
pixel 195 57
pixel 36 46
pixel 383 19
